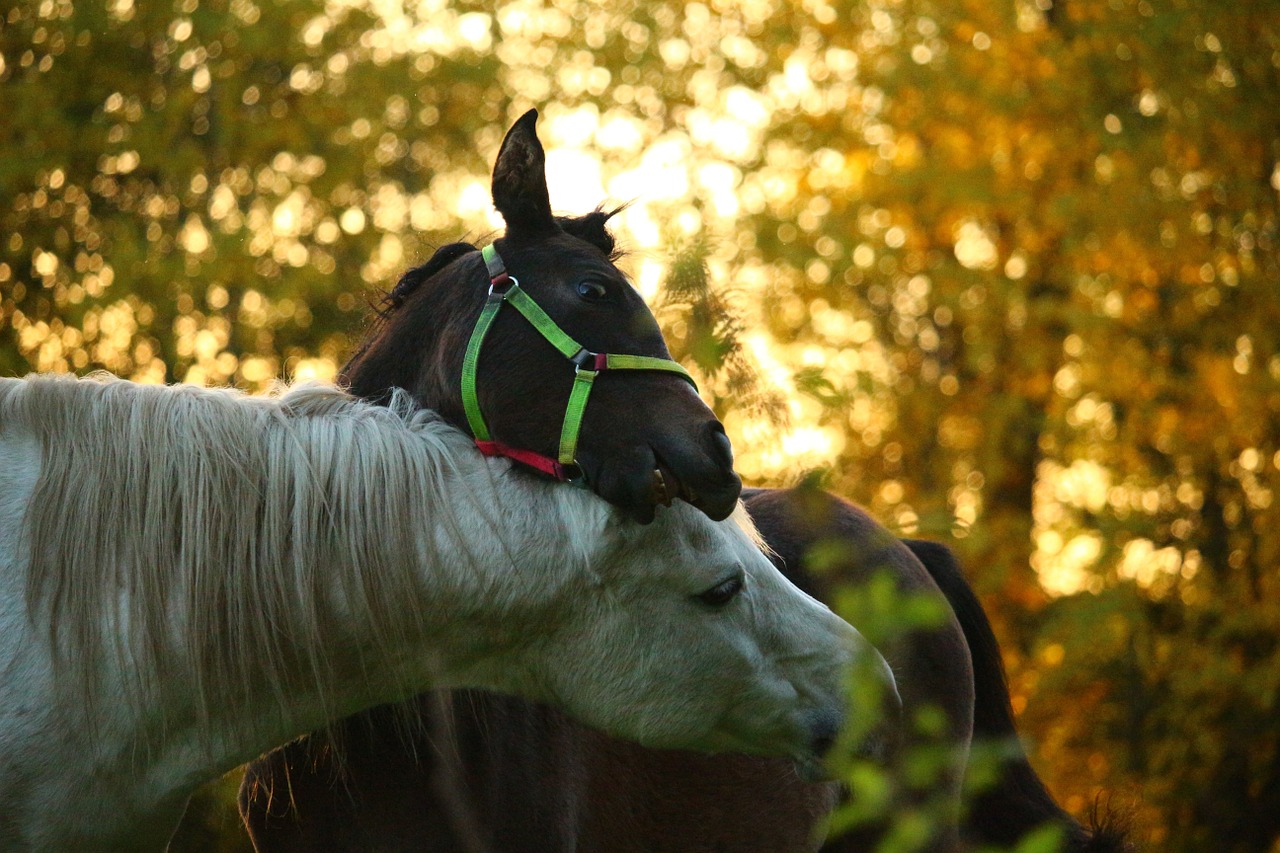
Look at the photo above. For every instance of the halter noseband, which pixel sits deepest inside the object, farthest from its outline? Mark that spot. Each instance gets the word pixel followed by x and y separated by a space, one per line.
pixel 505 289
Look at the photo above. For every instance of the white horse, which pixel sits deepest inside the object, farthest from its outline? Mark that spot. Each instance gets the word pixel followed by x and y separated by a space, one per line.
pixel 189 577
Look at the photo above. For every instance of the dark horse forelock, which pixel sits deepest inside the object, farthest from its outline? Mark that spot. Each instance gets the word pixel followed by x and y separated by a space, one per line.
pixel 591 227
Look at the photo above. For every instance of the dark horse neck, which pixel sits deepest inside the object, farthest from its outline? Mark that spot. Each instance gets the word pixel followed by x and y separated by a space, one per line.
pixel 418 362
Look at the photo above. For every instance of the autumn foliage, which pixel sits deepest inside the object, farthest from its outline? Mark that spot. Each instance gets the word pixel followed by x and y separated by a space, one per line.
pixel 1007 272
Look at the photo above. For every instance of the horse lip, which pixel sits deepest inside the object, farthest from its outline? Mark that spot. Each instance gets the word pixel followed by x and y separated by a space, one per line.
pixel 719 502
pixel 667 487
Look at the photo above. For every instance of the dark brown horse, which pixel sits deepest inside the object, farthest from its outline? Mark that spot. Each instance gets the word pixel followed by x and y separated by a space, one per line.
pixel 491 773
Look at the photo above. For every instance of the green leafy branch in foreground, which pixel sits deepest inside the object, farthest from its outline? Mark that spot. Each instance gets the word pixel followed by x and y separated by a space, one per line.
pixel 906 802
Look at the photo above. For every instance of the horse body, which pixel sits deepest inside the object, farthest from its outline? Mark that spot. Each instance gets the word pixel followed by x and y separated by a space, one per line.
pixel 493 774
pixel 189 577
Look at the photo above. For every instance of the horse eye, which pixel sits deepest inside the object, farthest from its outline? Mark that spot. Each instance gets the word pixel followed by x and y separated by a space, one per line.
pixel 592 291
pixel 722 593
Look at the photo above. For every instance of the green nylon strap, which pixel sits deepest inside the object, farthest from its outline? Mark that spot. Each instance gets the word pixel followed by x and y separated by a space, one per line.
pixel 583 381
pixel 547 327
pixel 644 362
pixel 493 261
pixel 573 413
pixel 471 402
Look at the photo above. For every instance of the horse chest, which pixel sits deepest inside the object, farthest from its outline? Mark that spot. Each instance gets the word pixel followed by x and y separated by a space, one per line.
pixel 649 801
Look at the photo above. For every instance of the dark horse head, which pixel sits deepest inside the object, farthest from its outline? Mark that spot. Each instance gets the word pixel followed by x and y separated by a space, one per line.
pixel 645 436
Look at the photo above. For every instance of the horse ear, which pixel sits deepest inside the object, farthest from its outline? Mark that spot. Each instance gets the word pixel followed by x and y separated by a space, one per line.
pixel 520 181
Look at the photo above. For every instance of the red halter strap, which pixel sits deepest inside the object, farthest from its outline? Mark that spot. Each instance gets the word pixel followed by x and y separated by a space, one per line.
pixel 545 464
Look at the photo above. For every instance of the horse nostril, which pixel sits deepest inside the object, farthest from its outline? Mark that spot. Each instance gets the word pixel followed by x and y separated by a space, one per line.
pixel 824 729
pixel 721 449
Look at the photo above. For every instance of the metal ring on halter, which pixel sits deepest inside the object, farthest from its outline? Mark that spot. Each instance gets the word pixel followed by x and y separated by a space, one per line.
pixel 512 281
pixel 585 359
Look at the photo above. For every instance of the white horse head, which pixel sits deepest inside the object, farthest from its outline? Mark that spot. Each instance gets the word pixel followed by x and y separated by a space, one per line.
pixel 190 577
pixel 686 636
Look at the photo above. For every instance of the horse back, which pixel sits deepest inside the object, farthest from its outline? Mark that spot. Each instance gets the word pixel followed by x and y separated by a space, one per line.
pixel 793 521
pixel 1018 802
pixel 799 524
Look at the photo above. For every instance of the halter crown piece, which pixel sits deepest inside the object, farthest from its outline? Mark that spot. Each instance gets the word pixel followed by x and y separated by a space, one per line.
pixel 505 289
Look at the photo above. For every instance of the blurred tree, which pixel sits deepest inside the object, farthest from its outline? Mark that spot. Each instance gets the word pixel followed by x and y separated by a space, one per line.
pixel 1012 266
pixel 195 190
pixel 1060 221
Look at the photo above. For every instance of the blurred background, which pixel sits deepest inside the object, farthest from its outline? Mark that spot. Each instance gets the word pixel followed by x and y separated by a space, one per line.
pixel 1005 270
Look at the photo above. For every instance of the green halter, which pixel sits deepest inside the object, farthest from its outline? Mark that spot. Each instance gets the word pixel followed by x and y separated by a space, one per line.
pixel 504 289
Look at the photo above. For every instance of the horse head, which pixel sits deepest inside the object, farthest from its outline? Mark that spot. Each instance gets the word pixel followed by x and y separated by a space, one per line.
pixel 683 635
pixel 641 437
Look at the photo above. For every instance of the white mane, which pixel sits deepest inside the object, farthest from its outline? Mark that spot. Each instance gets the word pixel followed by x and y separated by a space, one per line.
pixel 229 490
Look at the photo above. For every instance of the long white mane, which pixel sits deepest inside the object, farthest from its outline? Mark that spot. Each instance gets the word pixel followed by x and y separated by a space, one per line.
pixel 227 509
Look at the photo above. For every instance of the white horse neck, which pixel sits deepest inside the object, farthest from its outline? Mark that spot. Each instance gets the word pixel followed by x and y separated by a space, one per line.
pixel 202 576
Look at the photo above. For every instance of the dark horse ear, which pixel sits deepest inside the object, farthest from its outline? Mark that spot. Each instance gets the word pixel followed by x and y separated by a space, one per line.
pixel 520 181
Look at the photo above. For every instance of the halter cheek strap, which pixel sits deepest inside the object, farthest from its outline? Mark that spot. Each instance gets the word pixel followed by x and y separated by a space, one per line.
pixel 504 289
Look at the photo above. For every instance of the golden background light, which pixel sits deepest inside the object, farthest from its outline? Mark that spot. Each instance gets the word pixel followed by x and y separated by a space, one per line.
pixel 1005 273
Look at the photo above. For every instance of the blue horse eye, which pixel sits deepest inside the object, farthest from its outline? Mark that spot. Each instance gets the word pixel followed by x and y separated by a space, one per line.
pixel 592 291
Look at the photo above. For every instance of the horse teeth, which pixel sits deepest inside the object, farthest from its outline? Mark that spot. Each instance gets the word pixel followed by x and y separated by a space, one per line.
pixel 661 493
